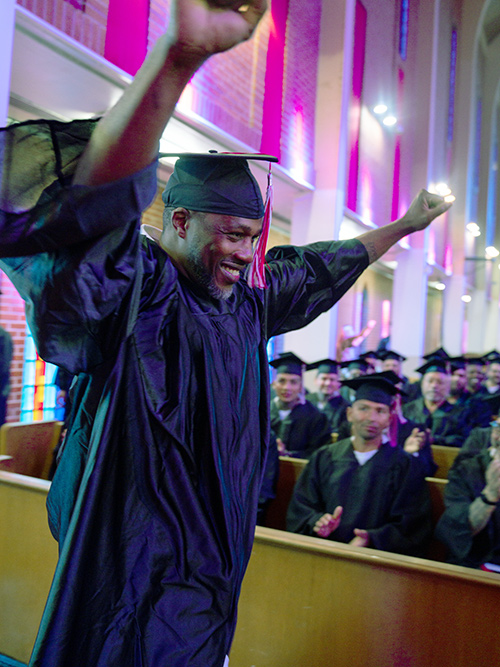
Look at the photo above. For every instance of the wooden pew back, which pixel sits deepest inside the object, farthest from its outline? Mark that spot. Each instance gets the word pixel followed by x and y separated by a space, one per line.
pixel 443 457
pixel 28 556
pixel 31 446
pixel 312 602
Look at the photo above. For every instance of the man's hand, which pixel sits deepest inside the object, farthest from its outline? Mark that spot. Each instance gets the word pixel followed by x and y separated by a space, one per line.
pixel 423 210
pixel 492 488
pixel 361 539
pixel 415 441
pixel 326 524
pixel 201 28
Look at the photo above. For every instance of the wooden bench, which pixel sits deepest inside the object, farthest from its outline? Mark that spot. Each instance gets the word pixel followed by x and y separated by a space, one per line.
pixel 443 457
pixel 309 602
pixel 31 446
pixel 28 556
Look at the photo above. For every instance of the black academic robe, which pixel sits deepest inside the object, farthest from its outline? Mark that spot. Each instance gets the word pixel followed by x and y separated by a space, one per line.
pixel 303 430
pixel 155 496
pixel 387 496
pixel 335 409
pixel 449 425
pixel 466 480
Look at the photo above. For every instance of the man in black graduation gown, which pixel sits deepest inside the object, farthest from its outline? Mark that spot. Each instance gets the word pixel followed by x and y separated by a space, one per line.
pixel 470 524
pixel 448 425
pixel 327 398
pixel 300 428
pixel 155 497
pixel 361 490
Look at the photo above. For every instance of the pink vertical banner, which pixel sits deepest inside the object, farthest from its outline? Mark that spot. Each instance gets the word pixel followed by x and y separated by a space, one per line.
pixel 275 69
pixel 358 68
pixel 397 150
pixel 127 33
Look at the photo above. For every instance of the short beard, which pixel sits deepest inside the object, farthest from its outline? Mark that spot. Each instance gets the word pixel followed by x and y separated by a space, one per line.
pixel 204 279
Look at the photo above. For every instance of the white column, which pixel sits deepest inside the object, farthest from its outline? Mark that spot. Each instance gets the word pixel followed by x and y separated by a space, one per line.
pixel 7 13
pixel 318 216
pixel 409 298
pixel 453 315
pixel 476 321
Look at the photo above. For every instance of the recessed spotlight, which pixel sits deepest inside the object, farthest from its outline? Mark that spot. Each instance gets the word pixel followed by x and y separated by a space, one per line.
pixel 466 298
pixel 390 121
pixel 491 252
pixel 379 109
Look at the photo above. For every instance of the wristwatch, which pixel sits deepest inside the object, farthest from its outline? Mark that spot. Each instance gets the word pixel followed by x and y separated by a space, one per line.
pixel 485 499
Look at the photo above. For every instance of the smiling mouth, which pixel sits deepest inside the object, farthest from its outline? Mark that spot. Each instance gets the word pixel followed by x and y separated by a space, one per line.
pixel 231 273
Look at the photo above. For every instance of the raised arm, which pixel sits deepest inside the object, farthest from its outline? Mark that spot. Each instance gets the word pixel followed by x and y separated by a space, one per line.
pixel 126 139
pixel 423 210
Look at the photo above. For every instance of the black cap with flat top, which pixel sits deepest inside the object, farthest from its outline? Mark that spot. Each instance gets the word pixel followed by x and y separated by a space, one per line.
pixel 324 366
pixel 391 354
pixel 288 362
pixel 378 387
pixel 215 183
pixel 435 365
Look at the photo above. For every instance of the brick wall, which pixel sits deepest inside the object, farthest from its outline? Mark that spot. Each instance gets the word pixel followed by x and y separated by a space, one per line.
pixel 87 26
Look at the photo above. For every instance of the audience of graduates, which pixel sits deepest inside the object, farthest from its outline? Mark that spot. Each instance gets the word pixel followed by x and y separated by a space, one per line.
pixel 356 489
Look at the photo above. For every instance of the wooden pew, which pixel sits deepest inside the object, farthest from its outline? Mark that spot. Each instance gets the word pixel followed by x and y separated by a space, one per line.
pixel 304 601
pixel 31 446
pixel 308 602
pixel 28 556
pixel 443 457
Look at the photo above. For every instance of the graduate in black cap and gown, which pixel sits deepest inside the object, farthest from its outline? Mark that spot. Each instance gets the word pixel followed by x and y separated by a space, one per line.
pixel 447 424
pixel 362 490
pixel 327 398
pixel 299 426
pixel 155 497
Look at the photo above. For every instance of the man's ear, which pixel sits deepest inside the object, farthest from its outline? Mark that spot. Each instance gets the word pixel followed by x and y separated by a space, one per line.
pixel 349 414
pixel 180 221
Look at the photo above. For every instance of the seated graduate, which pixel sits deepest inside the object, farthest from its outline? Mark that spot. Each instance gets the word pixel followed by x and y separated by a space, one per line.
pixel 470 524
pixel 393 361
pixel 352 369
pixel 300 427
pixel 482 438
pixel 492 382
pixel 448 424
pixel 372 359
pixel 327 398
pixel 361 490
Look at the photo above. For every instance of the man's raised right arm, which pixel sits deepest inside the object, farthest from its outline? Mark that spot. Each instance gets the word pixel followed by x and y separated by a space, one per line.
pixel 126 138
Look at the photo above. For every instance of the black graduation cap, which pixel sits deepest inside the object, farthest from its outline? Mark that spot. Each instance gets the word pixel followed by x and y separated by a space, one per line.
pixel 324 366
pixel 434 365
pixel 288 362
pixel 494 355
pixel 355 363
pixel 457 363
pixel 378 387
pixel 474 361
pixel 440 353
pixel 215 183
pixel 391 354
pixel 371 354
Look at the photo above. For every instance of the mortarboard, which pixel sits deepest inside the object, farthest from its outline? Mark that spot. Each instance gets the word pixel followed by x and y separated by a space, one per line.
pixel 324 366
pixel 457 363
pixel 288 362
pixel 378 387
pixel 492 356
pixel 371 354
pixel 435 365
pixel 223 183
pixel 440 353
pixel 391 354
pixel 474 361
pixel 355 363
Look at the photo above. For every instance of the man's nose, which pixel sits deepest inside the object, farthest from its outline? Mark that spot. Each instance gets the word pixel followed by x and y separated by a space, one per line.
pixel 244 252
